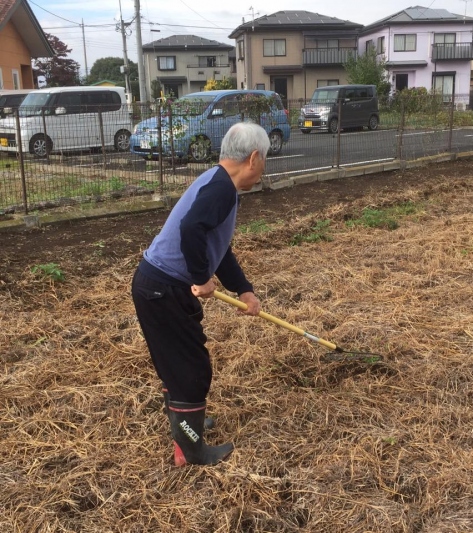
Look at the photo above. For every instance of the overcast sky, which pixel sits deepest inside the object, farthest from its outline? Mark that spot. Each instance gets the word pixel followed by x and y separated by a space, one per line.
pixel 211 19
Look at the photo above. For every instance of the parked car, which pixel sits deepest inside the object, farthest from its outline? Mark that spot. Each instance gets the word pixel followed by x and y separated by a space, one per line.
pixel 63 119
pixel 357 104
pixel 11 100
pixel 201 120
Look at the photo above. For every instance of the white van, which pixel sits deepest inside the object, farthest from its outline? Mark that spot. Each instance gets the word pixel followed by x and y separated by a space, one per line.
pixel 11 99
pixel 62 119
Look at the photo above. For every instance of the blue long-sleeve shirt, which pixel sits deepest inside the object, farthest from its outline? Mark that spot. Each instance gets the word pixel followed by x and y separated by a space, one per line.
pixel 194 243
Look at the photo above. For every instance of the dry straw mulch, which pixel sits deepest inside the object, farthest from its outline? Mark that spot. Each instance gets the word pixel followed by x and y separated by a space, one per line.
pixel 319 447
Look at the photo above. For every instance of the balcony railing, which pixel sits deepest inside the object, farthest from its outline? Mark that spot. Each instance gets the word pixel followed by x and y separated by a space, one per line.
pixel 219 65
pixel 327 56
pixel 445 52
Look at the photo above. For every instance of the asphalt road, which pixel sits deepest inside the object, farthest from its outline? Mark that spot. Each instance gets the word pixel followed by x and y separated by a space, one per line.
pixel 319 151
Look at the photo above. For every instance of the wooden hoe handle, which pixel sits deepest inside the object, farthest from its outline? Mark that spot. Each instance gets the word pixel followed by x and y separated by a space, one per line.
pixel 278 321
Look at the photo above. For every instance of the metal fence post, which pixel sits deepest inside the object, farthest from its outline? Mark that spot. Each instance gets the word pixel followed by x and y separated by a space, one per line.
pixel 46 144
pixel 160 150
pixel 339 132
pixel 450 124
pixel 171 138
pixel 21 161
pixel 102 140
pixel 401 131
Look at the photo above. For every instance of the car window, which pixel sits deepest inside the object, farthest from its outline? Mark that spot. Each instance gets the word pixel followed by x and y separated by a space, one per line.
pixel 228 105
pixel 193 106
pixel 71 101
pixel 93 101
pixel 11 100
pixel 325 96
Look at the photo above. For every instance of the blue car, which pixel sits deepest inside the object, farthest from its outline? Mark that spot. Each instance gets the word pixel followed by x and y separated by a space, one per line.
pixel 196 123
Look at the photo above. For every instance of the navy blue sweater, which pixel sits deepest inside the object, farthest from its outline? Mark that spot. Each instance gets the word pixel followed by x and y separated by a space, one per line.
pixel 194 243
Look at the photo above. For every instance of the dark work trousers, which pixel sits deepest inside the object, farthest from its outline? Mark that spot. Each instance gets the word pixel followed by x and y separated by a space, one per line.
pixel 170 318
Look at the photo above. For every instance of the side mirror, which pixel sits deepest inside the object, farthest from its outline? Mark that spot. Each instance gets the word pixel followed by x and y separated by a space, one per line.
pixel 217 112
pixel 8 110
pixel 60 111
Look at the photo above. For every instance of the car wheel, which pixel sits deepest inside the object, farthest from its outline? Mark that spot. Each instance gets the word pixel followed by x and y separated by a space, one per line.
pixel 122 141
pixel 305 131
pixel 199 150
pixel 333 125
pixel 40 145
pixel 275 139
pixel 373 123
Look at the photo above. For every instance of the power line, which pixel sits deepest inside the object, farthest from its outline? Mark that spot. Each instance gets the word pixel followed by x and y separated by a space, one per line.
pixel 54 15
pixel 188 26
pixel 188 7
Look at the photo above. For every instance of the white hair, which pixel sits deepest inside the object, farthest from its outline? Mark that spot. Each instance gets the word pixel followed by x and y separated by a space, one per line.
pixel 242 139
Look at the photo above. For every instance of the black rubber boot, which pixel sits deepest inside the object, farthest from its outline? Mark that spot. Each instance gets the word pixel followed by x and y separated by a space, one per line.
pixel 209 422
pixel 187 427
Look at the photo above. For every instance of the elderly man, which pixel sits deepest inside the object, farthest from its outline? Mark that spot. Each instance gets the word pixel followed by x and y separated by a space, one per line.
pixel 177 269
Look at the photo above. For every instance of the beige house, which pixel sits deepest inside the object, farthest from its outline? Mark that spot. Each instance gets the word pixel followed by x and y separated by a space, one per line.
pixel 21 39
pixel 293 52
pixel 184 63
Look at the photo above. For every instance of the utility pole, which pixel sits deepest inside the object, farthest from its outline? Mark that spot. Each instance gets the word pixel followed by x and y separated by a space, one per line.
pixel 125 69
pixel 139 46
pixel 85 53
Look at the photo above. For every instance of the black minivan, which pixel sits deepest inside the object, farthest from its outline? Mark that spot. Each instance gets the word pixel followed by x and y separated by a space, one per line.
pixel 340 106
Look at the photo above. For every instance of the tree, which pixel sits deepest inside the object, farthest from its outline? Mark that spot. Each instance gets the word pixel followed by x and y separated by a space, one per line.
pixel 59 70
pixel 368 69
pixel 108 68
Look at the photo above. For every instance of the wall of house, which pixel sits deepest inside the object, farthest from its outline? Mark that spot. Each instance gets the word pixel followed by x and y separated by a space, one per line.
pixel 14 56
pixel 187 66
pixel 422 76
pixel 301 84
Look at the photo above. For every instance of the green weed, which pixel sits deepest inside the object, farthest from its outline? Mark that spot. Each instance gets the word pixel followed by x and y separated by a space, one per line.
pixel 48 270
pixel 319 232
pixel 258 226
pixel 383 218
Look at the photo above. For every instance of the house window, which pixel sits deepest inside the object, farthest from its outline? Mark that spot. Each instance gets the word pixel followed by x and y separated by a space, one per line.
pixel 259 86
pixel 166 62
pixel 327 43
pixel 443 84
pixel 274 47
pixel 326 83
pixel 207 61
pixel 405 42
pixel 241 50
pixel 445 38
pixel 368 45
pixel 16 79
pixel 381 45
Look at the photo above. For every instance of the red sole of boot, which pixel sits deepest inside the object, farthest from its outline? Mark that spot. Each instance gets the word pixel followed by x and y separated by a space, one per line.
pixel 179 458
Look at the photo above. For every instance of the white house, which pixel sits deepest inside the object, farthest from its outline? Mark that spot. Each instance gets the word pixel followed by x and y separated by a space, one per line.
pixel 424 47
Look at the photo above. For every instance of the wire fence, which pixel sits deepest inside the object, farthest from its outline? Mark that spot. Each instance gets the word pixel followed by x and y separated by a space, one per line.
pixel 76 156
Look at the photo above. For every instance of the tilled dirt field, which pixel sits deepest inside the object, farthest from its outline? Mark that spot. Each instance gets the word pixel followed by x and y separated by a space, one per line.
pixel 320 446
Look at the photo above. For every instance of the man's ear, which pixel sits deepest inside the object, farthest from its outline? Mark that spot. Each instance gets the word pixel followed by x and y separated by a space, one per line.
pixel 253 157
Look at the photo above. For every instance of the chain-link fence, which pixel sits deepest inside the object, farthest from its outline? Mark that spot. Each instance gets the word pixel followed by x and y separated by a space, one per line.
pixel 70 156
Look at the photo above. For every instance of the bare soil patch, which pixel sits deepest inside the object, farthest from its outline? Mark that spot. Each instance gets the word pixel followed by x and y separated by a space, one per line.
pixel 319 447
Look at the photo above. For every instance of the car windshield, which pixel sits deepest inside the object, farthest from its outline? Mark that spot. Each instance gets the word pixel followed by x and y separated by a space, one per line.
pixel 33 104
pixel 324 96
pixel 192 106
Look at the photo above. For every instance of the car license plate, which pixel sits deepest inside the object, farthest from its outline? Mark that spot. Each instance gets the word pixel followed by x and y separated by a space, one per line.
pixel 145 144
pixel 3 142
pixel 308 123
